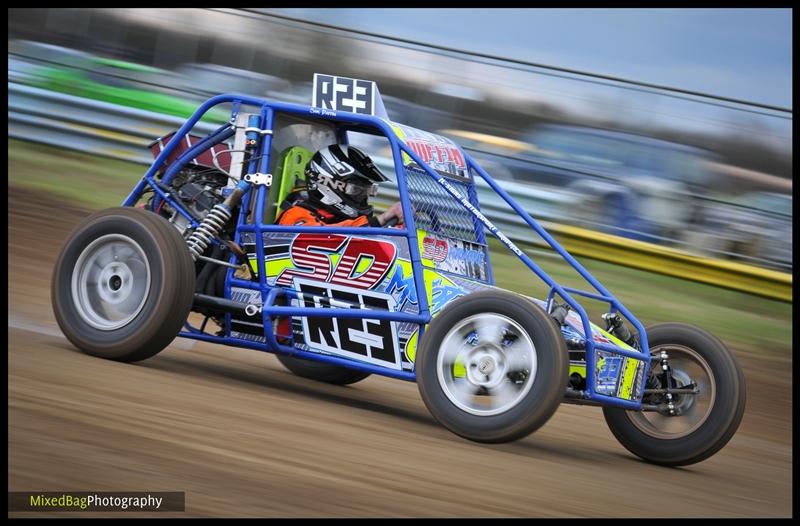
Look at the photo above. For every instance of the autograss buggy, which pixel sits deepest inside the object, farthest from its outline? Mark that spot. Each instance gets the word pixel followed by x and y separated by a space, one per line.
pixel 414 301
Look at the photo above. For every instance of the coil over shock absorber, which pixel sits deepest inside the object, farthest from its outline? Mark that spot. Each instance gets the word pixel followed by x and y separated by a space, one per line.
pixel 211 226
pixel 214 221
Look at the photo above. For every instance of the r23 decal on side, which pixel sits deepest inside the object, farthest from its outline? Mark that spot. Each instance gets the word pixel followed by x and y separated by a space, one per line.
pixel 324 282
pixel 369 340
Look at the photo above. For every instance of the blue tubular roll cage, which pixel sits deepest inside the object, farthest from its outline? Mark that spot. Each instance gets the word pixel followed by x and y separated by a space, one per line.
pixel 270 294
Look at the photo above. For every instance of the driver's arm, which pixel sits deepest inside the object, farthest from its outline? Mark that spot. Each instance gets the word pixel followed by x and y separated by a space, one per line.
pixel 396 210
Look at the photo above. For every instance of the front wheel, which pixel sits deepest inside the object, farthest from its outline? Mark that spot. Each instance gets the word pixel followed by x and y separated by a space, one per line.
pixel 701 423
pixel 123 284
pixel 492 367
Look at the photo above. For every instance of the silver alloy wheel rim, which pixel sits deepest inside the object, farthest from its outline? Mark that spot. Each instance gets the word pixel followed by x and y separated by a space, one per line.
pixel 687 365
pixel 479 346
pixel 110 282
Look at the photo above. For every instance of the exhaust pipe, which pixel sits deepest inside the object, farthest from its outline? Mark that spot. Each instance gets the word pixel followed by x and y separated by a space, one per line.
pixel 236 307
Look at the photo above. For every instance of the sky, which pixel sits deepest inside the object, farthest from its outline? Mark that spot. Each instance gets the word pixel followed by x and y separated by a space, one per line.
pixel 739 53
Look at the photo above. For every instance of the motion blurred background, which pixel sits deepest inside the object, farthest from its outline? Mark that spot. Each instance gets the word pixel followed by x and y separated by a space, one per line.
pixel 655 144
pixel 572 104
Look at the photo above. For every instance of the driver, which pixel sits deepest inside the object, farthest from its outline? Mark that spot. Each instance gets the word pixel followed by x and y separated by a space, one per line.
pixel 339 179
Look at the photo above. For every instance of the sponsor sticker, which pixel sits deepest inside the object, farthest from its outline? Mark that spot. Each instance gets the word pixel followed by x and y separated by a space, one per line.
pixel 367 340
pixel 454 256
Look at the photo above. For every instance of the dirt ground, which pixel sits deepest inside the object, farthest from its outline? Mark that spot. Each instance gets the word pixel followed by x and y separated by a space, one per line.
pixel 244 437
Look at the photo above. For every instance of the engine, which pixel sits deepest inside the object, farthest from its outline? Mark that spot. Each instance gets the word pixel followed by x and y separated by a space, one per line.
pixel 198 190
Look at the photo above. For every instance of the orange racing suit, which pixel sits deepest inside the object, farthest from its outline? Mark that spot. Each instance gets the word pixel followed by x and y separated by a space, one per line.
pixel 298 215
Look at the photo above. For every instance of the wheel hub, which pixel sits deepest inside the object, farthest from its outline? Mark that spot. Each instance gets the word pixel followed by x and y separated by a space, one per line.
pixel 682 403
pixel 110 282
pixel 689 411
pixel 487 364
pixel 487 367
pixel 115 283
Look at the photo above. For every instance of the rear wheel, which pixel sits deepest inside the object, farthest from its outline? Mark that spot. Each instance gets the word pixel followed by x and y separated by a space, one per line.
pixel 321 372
pixel 703 422
pixel 492 367
pixel 123 284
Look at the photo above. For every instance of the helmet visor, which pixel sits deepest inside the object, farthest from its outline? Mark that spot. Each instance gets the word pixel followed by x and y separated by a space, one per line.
pixel 360 190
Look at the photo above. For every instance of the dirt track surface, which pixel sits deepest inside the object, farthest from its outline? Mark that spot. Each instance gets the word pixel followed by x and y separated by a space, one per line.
pixel 244 437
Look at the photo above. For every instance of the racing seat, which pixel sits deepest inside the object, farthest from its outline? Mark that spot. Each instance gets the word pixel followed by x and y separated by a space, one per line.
pixel 289 173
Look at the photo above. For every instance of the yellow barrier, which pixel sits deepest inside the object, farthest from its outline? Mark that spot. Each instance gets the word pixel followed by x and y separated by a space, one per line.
pixel 671 262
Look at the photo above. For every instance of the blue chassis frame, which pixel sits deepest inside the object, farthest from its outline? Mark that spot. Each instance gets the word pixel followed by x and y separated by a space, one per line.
pixel 270 294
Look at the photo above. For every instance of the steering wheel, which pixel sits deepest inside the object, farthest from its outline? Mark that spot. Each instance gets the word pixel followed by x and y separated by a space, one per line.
pixel 391 222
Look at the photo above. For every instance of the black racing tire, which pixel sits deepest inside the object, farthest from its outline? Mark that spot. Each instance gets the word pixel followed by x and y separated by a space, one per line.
pixel 321 372
pixel 150 247
pixel 466 333
pixel 689 348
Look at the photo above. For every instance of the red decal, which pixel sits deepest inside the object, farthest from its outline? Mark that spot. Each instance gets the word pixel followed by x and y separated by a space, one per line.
pixel 438 154
pixel 600 338
pixel 311 253
pixel 456 157
pixel 381 255
pixel 435 249
pixel 441 154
